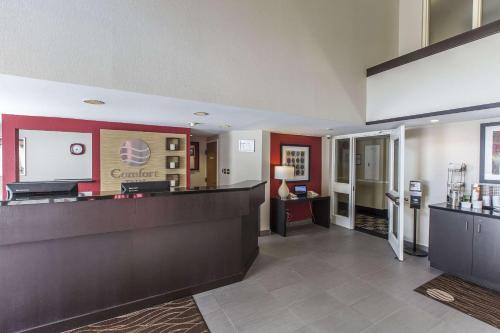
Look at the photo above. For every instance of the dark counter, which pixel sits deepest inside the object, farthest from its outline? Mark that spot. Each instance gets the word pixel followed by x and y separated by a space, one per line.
pixel 485 212
pixel 464 243
pixel 98 195
pixel 67 265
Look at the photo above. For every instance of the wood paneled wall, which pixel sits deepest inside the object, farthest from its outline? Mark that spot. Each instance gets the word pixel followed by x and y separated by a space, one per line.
pixel 154 170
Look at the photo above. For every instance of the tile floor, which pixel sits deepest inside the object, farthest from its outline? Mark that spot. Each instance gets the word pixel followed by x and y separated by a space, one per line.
pixel 336 280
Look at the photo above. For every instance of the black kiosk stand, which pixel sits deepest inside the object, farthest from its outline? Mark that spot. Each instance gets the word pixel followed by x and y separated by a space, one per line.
pixel 415 203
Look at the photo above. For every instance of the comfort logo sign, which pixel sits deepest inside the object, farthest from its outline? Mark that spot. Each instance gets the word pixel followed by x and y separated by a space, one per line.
pixel 135 152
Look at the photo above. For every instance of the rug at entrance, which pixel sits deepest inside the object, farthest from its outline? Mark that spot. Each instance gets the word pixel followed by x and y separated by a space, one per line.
pixel 471 299
pixel 182 316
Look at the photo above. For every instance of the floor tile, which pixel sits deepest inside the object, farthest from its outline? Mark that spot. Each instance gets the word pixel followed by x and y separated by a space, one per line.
pixel 407 320
pixel 315 307
pixel 377 306
pixel 336 280
pixel 352 291
pixel 344 320
pixel 217 322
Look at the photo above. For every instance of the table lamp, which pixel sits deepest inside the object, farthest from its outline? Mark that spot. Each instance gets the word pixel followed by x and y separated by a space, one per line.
pixel 283 172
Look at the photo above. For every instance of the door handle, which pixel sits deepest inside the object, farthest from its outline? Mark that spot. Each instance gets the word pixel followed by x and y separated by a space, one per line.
pixel 467 225
pixel 478 228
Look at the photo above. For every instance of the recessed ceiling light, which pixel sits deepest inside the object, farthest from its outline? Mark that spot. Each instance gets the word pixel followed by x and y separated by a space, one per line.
pixel 93 102
pixel 329 129
pixel 193 124
pixel 434 121
pixel 201 114
pixel 226 126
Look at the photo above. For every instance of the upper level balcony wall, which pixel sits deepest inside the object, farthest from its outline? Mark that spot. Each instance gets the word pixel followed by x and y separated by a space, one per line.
pixel 456 75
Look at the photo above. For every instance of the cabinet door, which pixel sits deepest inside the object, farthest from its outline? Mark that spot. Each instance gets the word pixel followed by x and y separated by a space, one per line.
pixel 450 242
pixel 486 261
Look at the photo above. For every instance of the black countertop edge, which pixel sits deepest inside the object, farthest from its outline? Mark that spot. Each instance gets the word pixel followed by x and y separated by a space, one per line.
pixel 486 212
pixel 91 196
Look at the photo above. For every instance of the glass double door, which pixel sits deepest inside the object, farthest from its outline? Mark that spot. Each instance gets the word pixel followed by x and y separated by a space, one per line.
pixel 344 183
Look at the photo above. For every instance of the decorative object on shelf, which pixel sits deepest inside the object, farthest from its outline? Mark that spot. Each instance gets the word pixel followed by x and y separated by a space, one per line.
pixel 489 170
pixel 298 157
pixel 456 183
pixel 22 156
pixel 173 162
pixel 77 149
pixel 194 156
pixel 173 144
pixel 173 179
pixel 246 146
pixel 283 173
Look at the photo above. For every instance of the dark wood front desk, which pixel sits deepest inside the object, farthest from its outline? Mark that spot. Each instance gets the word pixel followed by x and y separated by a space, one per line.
pixel 68 262
pixel 466 243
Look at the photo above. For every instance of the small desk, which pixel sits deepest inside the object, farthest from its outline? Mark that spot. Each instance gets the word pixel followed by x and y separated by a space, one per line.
pixel 320 211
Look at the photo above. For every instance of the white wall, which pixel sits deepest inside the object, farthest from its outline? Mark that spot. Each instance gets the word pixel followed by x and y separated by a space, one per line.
pixel 280 55
pixel 48 156
pixel 246 166
pixel 428 152
pixel 198 177
pixel 410 25
pixel 463 76
pixel 326 165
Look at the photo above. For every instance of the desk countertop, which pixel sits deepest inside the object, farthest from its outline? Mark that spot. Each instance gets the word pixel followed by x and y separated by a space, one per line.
pixel 97 195
pixel 485 212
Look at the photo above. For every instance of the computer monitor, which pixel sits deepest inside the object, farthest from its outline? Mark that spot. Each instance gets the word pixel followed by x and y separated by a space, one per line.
pixel 300 190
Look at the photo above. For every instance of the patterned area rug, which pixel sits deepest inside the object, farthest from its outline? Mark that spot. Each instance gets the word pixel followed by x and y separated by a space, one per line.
pixel 180 316
pixel 372 225
pixel 471 299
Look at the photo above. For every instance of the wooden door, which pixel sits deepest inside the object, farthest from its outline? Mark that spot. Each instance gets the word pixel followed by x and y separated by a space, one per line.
pixel 212 164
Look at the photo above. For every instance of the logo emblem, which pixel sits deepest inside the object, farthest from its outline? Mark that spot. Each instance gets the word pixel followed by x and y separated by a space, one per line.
pixel 135 152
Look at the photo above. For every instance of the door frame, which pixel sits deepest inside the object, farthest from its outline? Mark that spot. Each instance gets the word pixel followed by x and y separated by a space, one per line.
pixel 352 174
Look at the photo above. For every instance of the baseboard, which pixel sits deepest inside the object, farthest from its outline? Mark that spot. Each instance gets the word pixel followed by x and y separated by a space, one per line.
pixel 299 223
pixel 383 213
pixel 344 224
pixel 111 312
pixel 419 247
pixel 265 232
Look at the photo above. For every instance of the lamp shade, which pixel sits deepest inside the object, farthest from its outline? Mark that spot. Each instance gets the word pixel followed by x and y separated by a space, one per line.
pixel 283 172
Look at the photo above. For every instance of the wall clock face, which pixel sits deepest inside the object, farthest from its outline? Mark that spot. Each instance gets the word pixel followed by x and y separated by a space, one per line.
pixel 77 149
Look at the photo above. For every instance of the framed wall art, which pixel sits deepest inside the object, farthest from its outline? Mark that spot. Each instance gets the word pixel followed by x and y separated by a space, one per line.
pixel 490 153
pixel 298 156
pixel 194 156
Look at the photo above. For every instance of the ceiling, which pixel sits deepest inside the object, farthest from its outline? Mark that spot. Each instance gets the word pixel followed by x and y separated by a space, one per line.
pixel 26 96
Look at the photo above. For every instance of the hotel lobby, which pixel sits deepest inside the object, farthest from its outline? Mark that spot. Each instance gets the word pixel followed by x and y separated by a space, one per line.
pixel 249 166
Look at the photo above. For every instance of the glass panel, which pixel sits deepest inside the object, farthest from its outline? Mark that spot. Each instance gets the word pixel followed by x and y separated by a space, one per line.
pixel 491 11
pixel 395 220
pixel 343 151
pixel 342 204
pixel 448 18
pixel 395 184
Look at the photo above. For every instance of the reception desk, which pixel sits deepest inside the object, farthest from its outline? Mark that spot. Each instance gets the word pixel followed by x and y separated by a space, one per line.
pixel 67 262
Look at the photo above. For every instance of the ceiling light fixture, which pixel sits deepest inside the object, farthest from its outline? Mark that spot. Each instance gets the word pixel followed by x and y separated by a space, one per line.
pixel 329 129
pixel 226 126
pixel 434 121
pixel 93 102
pixel 193 124
pixel 201 114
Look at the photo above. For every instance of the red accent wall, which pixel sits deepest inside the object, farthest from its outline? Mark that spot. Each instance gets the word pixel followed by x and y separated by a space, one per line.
pixel 299 211
pixel 11 124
